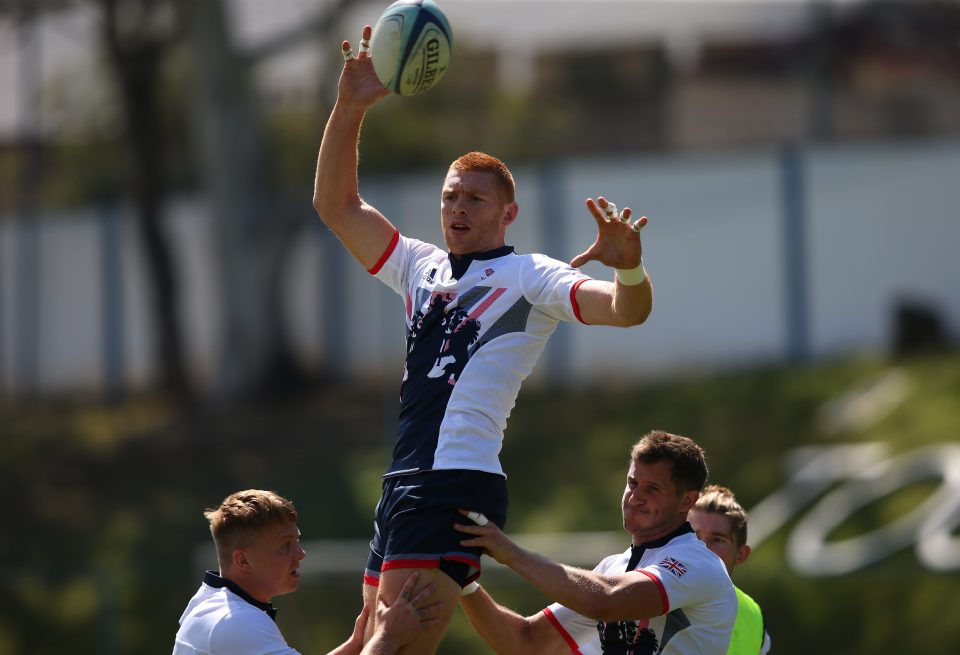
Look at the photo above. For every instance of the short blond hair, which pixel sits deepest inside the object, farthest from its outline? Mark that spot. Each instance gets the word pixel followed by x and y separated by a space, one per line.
pixel 717 499
pixel 244 514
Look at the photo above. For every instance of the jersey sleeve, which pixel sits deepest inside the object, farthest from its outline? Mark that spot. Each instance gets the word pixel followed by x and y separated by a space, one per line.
pixel 686 581
pixel 574 628
pixel 404 260
pixel 551 286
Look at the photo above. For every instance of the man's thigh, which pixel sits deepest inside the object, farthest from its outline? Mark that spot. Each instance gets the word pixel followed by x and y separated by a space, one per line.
pixel 447 593
pixel 414 531
pixel 415 518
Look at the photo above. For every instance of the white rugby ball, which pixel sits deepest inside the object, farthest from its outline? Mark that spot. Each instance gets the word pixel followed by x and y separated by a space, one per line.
pixel 411 46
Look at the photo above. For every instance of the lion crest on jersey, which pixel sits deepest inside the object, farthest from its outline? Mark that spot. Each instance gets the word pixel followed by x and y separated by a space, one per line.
pixel 453 333
pixel 627 638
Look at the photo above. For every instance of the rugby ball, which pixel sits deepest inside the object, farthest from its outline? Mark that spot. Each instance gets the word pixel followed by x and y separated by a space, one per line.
pixel 411 46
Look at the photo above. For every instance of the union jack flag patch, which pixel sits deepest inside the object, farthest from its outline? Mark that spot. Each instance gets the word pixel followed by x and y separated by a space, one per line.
pixel 676 567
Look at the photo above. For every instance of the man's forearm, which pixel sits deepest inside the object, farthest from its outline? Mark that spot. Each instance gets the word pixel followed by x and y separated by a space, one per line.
pixel 583 591
pixel 336 178
pixel 632 303
pixel 504 630
pixel 594 595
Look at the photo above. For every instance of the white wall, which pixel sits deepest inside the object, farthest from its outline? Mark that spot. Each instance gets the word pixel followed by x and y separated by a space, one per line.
pixel 883 223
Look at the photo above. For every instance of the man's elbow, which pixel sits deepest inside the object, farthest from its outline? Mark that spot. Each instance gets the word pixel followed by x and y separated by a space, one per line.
pixel 321 203
pixel 527 641
pixel 328 208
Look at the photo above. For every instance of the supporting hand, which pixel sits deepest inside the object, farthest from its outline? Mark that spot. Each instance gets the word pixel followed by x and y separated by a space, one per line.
pixel 488 536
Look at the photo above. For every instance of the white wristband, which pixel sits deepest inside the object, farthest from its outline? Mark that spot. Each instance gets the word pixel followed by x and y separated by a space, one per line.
pixel 470 588
pixel 632 276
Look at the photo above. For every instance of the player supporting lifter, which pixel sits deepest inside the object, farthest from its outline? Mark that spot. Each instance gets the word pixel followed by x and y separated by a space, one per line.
pixel 477 317
pixel 666 594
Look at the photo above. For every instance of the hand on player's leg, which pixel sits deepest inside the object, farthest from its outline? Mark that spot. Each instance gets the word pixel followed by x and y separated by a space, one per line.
pixel 486 535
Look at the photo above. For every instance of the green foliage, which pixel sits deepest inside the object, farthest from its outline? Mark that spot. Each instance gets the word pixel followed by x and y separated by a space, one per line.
pixel 105 504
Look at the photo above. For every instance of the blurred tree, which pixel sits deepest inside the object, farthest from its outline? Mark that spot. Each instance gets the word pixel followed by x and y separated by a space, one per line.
pixel 138 34
pixel 255 225
pixel 229 141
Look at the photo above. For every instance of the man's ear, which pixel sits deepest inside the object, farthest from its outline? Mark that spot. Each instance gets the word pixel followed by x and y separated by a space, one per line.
pixel 510 213
pixel 240 560
pixel 743 552
pixel 690 499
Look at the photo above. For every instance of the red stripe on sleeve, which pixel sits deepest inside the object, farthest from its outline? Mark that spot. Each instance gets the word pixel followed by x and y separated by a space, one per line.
pixel 573 300
pixel 663 592
pixel 571 642
pixel 386 255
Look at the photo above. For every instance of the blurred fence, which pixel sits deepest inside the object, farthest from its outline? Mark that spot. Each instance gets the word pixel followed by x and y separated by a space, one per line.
pixel 756 256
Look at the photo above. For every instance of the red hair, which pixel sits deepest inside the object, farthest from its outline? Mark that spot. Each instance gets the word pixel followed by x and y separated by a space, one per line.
pixel 480 161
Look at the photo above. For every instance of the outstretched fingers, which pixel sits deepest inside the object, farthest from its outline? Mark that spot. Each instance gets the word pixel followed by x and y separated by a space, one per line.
pixel 596 210
pixel 614 242
pixel 347 50
pixel 365 42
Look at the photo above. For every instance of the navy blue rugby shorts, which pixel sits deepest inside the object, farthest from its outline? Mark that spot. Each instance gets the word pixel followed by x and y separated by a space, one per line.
pixel 413 524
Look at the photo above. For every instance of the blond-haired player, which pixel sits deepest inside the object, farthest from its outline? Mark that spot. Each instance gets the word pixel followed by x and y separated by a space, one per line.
pixel 258 548
pixel 721 522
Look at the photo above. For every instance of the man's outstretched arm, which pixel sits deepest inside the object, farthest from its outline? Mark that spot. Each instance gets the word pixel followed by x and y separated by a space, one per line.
pixel 627 300
pixel 363 230
pixel 508 633
pixel 595 595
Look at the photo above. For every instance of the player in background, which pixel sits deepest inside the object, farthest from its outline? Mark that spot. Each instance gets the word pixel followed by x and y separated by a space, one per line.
pixel 666 594
pixel 258 548
pixel 721 523
pixel 477 317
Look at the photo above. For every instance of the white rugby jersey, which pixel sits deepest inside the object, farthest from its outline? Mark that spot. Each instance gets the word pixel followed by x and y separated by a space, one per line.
pixel 221 619
pixel 475 327
pixel 700 604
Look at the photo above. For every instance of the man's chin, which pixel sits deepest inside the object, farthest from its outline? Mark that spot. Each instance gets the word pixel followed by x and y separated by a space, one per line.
pixel 454 247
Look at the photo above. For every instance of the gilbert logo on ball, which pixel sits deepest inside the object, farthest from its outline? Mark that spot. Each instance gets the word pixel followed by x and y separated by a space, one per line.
pixel 411 46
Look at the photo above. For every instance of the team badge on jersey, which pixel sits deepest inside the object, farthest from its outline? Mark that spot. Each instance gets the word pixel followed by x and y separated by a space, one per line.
pixel 627 638
pixel 676 567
